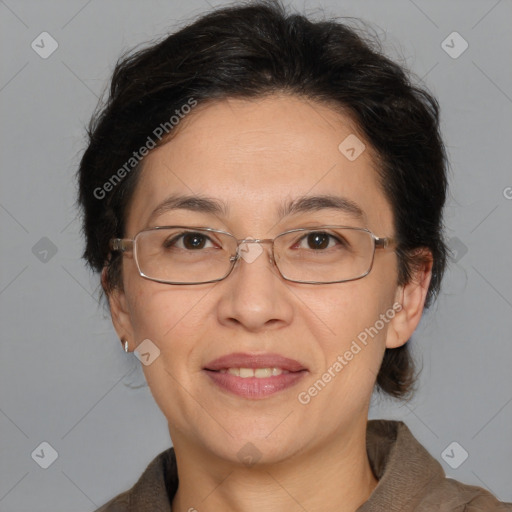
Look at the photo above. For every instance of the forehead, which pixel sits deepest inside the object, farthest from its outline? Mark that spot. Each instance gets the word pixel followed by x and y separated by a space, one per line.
pixel 256 156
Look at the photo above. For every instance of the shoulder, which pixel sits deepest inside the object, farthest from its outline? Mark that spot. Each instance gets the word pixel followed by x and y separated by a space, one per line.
pixel 120 503
pixel 454 496
pixel 410 479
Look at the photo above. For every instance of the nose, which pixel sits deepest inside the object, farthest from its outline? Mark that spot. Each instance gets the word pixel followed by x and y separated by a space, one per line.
pixel 255 295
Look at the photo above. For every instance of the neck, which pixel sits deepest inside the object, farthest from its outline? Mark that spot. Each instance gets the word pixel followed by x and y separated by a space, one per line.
pixel 335 476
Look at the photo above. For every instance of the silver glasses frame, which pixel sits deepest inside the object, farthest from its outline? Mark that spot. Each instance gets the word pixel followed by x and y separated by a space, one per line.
pixel 125 245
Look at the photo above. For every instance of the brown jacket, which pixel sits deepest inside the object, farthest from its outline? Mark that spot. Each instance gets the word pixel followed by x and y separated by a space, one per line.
pixel 410 479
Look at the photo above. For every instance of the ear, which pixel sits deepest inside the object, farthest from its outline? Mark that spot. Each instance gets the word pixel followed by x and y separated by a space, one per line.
pixel 119 311
pixel 411 297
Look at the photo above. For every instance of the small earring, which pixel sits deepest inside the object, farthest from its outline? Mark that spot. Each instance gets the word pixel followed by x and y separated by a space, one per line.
pixel 125 345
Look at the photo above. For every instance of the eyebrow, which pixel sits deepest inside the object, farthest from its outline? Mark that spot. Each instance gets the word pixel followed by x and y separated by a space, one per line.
pixel 306 204
pixel 191 203
pixel 303 204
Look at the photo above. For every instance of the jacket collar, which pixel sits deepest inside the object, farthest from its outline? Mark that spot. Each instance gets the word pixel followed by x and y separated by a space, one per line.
pixel 403 467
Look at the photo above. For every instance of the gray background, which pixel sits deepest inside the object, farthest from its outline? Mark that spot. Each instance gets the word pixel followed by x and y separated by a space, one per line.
pixel 63 376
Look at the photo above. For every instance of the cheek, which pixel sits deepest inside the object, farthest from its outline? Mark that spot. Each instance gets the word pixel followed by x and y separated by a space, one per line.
pixel 347 309
pixel 173 320
pixel 350 321
pixel 161 312
pixel 350 353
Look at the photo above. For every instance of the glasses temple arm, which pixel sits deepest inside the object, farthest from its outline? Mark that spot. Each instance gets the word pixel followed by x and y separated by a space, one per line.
pixel 121 244
pixel 385 242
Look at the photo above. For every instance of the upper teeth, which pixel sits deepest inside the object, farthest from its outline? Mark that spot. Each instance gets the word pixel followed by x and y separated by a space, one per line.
pixel 254 372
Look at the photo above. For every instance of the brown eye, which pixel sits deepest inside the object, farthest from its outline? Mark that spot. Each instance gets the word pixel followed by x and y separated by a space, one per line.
pixel 194 241
pixel 322 241
pixel 190 241
pixel 318 240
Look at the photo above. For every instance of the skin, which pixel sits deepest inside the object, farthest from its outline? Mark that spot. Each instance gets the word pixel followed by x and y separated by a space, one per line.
pixel 252 154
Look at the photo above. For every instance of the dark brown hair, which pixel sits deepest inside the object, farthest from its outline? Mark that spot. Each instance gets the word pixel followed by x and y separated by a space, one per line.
pixel 255 49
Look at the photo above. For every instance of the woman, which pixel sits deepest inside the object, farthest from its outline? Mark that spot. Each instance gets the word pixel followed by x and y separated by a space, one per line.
pixel 263 196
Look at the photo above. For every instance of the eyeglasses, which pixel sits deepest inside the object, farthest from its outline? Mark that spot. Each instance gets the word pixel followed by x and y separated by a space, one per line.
pixel 189 255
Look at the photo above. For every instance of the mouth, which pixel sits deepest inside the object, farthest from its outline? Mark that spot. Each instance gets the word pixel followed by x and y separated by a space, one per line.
pixel 254 376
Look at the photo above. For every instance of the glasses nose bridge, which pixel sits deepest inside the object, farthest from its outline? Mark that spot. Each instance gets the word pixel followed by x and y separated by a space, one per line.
pixel 251 240
pixel 260 241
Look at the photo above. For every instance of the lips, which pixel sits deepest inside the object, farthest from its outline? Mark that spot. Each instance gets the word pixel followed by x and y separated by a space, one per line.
pixel 241 360
pixel 248 376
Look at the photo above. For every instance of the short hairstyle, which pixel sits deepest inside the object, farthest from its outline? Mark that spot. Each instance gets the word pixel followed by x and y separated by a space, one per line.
pixel 256 49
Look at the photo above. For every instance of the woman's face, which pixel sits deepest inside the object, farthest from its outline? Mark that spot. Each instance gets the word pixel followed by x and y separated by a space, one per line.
pixel 254 157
